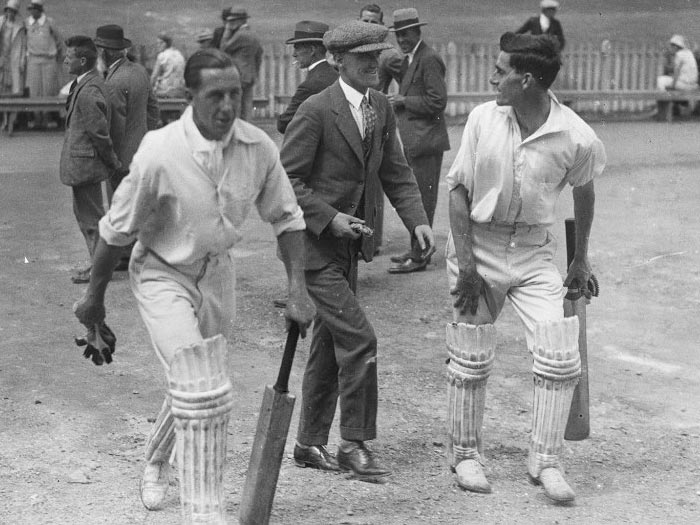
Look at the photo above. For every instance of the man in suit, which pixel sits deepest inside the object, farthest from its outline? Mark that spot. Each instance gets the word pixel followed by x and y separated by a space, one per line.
pixel 88 155
pixel 420 111
pixel 134 107
pixel 545 23
pixel 244 48
pixel 310 53
pixel 219 31
pixel 339 147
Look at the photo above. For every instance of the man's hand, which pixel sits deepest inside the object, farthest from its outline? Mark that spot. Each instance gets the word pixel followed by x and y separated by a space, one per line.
pixel 89 311
pixel 578 275
pixel 300 309
pixel 426 241
pixel 340 226
pixel 397 101
pixel 467 290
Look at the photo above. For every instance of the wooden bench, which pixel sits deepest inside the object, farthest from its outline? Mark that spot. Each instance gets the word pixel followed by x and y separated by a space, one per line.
pixel 14 105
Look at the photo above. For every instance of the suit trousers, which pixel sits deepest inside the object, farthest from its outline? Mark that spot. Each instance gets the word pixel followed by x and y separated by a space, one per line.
pixel 88 210
pixel 426 169
pixel 342 364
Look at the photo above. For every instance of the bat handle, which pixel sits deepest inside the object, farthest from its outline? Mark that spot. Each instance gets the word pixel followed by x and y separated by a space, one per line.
pixel 290 347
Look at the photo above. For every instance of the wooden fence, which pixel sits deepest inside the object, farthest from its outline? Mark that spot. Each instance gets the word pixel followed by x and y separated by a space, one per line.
pixel 588 66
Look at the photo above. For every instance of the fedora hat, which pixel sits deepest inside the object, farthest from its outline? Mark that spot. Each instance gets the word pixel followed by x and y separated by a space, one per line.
pixel 12 4
pixel 405 18
pixel 308 31
pixel 237 14
pixel 205 35
pixel 111 37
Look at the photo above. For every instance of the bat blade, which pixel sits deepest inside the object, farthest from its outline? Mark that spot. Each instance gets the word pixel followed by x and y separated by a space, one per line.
pixel 266 457
pixel 578 426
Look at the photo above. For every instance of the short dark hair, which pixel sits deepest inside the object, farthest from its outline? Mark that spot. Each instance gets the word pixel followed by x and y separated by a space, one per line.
pixel 535 54
pixel 166 38
pixel 209 58
pixel 373 8
pixel 84 48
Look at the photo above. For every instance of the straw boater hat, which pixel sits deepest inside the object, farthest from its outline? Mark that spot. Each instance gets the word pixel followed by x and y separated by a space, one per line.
pixel 111 37
pixel 39 4
pixel 677 40
pixel 405 18
pixel 203 36
pixel 12 4
pixel 549 4
pixel 356 37
pixel 237 14
pixel 308 31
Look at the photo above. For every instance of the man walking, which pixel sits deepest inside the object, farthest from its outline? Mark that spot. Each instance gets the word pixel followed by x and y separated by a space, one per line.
pixel 339 147
pixel 88 156
pixel 516 156
pixel 309 53
pixel 134 107
pixel 545 23
pixel 189 190
pixel 45 50
pixel 244 48
pixel 420 112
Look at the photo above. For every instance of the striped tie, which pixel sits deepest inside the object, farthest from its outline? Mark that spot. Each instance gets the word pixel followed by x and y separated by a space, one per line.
pixel 369 117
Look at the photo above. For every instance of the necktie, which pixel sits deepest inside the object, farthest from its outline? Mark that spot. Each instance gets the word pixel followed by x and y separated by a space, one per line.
pixel 369 118
pixel 404 67
pixel 73 85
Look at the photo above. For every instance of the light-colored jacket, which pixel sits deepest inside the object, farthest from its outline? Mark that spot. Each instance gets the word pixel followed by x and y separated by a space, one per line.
pixel 13 58
pixel 88 155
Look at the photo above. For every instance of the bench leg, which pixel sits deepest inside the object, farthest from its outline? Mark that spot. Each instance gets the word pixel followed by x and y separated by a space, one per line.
pixel 669 112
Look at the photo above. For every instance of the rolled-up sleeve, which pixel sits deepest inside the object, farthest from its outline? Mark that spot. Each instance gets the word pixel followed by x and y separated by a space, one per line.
pixel 277 203
pixel 462 170
pixel 590 163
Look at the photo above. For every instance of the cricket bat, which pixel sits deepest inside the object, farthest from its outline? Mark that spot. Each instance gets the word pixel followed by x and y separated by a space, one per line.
pixel 270 439
pixel 578 426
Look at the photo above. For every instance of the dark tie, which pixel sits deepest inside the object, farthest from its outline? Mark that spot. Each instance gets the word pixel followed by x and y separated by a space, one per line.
pixel 404 67
pixel 73 85
pixel 369 117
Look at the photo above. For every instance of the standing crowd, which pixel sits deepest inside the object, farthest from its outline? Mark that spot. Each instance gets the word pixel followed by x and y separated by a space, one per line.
pixel 179 196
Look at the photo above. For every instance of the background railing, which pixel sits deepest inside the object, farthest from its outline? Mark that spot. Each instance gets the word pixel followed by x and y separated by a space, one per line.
pixel 588 66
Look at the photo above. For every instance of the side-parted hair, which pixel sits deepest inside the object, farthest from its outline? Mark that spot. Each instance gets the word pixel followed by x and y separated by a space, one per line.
pixel 535 54
pixel 373 8
pixel 209 58
pixel 84 48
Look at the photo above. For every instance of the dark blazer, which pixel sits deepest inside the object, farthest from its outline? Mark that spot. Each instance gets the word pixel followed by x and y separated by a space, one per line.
pixel 134 108
pixel 246 52
pixel 216 41
pixel 322 154
pixel 422 120
pixel 88 155
pixel 318 79
pixel 532 26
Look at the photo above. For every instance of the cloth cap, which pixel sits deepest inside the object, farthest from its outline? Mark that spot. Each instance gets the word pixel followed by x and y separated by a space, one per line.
pixel 549 4
pixel 12 4
pixel 39 4
pixel 308 31
pixel 111 37
pixel 405 18
pixel 203 36
pixel 677 40
pixel 356 37
pixel 237 14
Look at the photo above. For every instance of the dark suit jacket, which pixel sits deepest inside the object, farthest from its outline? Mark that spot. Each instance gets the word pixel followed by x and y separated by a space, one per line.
pixel 318 79
pixel 422 120
pixel 532 26
pixel 246 52
pixel 216 41
pixel 87 155
pixel 322 154
pixel 134 108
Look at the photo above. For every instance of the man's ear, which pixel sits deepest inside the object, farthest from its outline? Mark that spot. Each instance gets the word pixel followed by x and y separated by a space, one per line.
pixel 527 80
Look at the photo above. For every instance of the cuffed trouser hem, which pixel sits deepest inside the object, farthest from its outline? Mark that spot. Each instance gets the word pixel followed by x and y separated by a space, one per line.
pixel 358 434
pixel 312 439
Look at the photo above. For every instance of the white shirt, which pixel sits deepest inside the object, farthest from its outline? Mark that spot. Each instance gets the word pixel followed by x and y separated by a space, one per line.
pixel 315 64
pixel 354 99
pixel 512 180
pixel 413 53
pixel 544 23
pixel 41 20
pixel 186 198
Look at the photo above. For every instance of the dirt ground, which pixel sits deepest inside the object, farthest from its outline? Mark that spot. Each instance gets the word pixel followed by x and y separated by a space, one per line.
pixel 72 434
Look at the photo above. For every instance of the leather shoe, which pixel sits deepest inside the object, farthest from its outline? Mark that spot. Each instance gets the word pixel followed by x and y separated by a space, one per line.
pixel 400 258
pixel 315 456
pixel 555 486
pixel 409 266
pixel 361 462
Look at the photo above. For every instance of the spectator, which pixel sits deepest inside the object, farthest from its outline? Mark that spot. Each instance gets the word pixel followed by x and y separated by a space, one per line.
pixel 168 77
pixel 13 56
pixel 244 48
pixel 684 76
pixel 219 31
pixel 545 23
pixel 45 50
pixel 204 39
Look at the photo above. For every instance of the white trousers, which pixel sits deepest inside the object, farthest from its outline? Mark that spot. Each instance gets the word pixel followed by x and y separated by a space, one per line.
pixel 517 262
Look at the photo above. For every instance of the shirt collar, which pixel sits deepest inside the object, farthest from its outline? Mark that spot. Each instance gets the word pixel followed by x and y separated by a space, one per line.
pixel 79 78
pixel 555 123
pixel 413 51
pixel 116 63
pixel 41 20
pixel 353 96
pixel 238 132
pixel 315 64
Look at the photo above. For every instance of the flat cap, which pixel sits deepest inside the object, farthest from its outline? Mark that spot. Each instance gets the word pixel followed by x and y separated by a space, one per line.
pixel 356 37
pixel 549 4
